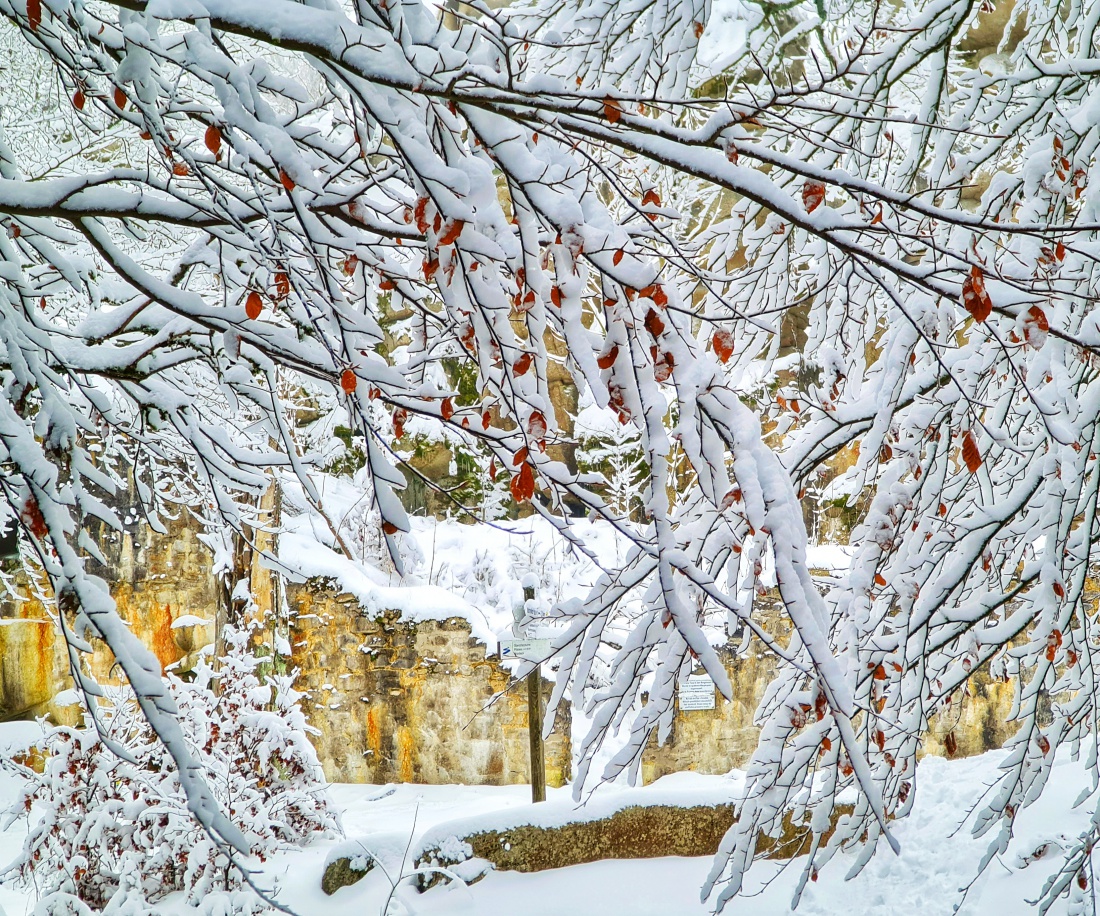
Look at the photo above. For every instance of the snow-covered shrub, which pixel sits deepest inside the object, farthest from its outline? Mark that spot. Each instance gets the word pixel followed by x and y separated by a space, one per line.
pixel 103 827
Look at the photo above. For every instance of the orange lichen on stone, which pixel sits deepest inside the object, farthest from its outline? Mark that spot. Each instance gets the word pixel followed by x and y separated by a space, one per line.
pixel 374 733
pixel 405 749
pixel 164 644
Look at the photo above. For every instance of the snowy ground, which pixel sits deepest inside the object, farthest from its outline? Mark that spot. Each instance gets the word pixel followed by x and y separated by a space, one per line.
pixel 937 858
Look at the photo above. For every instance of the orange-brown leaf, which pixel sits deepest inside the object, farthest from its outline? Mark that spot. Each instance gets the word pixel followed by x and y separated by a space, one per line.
pixel 1036 327
pixel 33 518
pixel 608 359
pixel 813 195
pixel 617 257
pixel 612 110
pixel 447 409
pixel 288 182
pixel 348 381
pixel 389 528
pixel 722 343
pixel 536 425
pixel 523 484
pixel 974 297
pixel 282 285
pixel 521 365
pixel 34 14
pixel 419 214
pixel 213 140
pixel 653 323
pixel 662 367
pixel 120 98
pixel 253 305
pixel 454 230
pixel 970 453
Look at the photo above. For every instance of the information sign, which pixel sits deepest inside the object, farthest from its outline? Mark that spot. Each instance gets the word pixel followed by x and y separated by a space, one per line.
pixel 532 650
pixel 697 692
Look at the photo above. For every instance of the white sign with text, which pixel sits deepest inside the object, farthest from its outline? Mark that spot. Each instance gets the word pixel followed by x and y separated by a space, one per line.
pixel 532 650
pixel 696 692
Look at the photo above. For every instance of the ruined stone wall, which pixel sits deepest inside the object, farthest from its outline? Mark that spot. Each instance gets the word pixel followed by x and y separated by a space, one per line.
pixel 394 701
pixel 33 666
pixel 410 702
pixel 717 740
pixel 154 580
pixel 426 716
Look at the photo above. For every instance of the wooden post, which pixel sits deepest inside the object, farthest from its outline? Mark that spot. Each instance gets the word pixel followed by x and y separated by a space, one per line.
pixel 534 725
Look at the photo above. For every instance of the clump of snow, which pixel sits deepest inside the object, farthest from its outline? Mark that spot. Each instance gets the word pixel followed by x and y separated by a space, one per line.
pixel 190 620
pixel 305 558
pixel 725 39
pixel 452 849
pixel 18 736
pixel 68 697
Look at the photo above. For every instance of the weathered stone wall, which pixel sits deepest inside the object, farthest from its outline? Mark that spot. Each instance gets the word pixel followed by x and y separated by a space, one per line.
pixel 426 717
pixel 720 739
pixel 394 701
pixel 32 666
pixel 410 702
pixel 154 580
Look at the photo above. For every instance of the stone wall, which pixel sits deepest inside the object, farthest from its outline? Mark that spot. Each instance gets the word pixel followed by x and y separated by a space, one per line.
pixel 155 579
pixel 394 701
pixel 717 740
pixel 32 666
pixel 410 702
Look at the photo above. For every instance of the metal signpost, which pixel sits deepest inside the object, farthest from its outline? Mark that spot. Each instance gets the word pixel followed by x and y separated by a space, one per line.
pixel 531 650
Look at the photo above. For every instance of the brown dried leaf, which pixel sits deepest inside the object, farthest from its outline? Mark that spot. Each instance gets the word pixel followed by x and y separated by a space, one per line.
pixel 813 195
pixel 974 297
pixel 970 453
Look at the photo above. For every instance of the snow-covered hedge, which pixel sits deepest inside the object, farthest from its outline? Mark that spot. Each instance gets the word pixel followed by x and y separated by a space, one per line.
pixel 117 833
